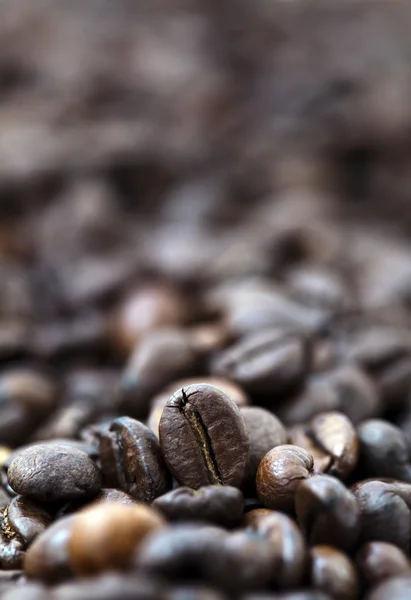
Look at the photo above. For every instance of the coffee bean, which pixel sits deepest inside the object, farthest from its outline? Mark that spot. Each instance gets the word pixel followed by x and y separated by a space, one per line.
pixel 104 536
pixel 47 473
pixel 112 495
pixel 265 432
pixel 327 512
pixel 269 362
pixel 160 358
pixel 333 442
pixel 347 388
pixel 385 511
pixel 378 560
pixel 193 593
pixel 147 307
pixel 332 572
pixel 320 287
pixel 109 587
pixel 395 587
pixel 280 473
pixel 47 558
pixel 289 560
pixel 204 439
pixel 302 595
pixel 221 505
pixel 384 451
pixel 131 460
pixel 185 552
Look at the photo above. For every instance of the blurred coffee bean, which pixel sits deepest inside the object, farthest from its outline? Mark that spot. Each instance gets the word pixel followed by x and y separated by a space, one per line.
pixel 346 388
pixel 27 396
pixel 185 552
pixel 109 586
pixel 332 441
pixel 190 592
pixel 385 511
pixel 280 473
pixel 112 495
pixel 161 357
pixel 268 362
pixel 265 432
pixel 47 558
pixel 327 512
pixel 104 536
pixel 204 439
pixel 289 560
pixel 221 505
pixel 131 460
pixel 378 560
pixel 395 587
pixel 87 395
pixel 301 595
pixel 332 572
pixel 54 472
pixel 21 522
pixel 319 287
pixel 384 451
pixel 145 308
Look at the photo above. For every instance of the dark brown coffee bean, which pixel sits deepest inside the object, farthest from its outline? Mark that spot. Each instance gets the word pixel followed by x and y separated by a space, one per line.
pixel 332 572
pixel 27 396
pixel 148 307
pixel 384 451
pixel 104 536
pixel 268 362
pixel 21 522
pixel 347 388
pixel 47 473
pixel 327 512
pixel 333 442
pixel 237 394
pixel 47 558
pixel 131 460
pixel 378 560
pixel 385 511
pixel 280 473
pixel 204 439
pixel 110 586
pixel 265 432
pixel 185 552
pixel 287 543
pixel 162 357
pixel 112 495
pixel 221 505
pixel 395 587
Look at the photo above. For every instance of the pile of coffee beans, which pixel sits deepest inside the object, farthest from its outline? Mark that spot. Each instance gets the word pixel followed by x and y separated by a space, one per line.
pixel 205 300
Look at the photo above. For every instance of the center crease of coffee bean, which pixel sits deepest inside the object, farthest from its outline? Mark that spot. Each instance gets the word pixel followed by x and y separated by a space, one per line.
pixel 201 434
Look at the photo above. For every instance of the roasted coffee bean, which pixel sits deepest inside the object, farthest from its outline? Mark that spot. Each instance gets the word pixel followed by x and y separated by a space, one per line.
pixel 378 560
pixel 237 394
pixel 285 539
pixel 47 559
pixel 185 552
pixel 332 441
pixel 265 432
pixel 110 586
pixel 280 473
pixel 160 358
pixel 395 587
pixel 131 460
pixel 104 536
pixel 27 396
pixel 385 511
pixel 112 495
pixel 204 439
pixel 269 362
pixel 221 505
pixel 147 307
pixel 193 593
pixel 319 287
pixel 327 512
pixel 347 388
pixel 47 473
pixel 332 572
pixel 21 522
pixel 384 451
